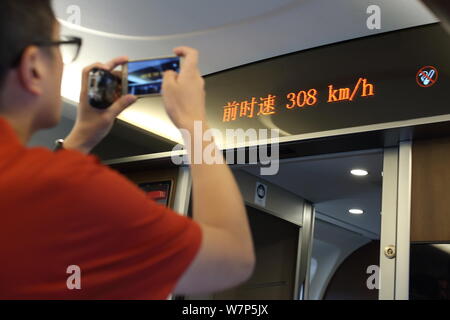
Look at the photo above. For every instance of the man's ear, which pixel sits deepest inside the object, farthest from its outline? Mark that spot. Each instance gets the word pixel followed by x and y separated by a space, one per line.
pixel 30 70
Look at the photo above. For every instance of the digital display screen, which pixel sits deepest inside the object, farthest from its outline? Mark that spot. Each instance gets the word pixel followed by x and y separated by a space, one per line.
pixel 145 76
pixel 372 80
pixel 157 191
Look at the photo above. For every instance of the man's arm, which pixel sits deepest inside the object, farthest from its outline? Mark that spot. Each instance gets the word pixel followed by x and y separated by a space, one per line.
pixel 226 257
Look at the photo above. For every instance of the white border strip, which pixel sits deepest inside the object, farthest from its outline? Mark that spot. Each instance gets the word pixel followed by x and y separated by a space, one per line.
pixel 403 221
pixel 183 191
pixel 388 223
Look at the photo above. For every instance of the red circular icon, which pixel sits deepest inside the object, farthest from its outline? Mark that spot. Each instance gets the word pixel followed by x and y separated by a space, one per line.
pixel 427 76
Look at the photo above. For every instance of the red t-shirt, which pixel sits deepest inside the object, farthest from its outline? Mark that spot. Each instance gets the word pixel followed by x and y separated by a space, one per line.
pixel 59 209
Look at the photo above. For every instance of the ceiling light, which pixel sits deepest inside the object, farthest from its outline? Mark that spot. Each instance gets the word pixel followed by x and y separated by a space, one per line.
pixel 356 211
pixel 359 172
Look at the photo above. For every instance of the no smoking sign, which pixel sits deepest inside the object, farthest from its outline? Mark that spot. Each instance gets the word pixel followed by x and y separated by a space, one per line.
pixel 427 76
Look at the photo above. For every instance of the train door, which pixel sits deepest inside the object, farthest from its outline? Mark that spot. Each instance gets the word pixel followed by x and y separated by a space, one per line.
pixel 341 257
pixel 280 222
pixel 312 241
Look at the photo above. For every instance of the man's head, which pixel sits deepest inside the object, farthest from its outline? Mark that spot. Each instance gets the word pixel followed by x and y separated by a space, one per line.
pixel 30 73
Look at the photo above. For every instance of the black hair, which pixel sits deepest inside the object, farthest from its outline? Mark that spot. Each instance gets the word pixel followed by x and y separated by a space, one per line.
pixel 22 22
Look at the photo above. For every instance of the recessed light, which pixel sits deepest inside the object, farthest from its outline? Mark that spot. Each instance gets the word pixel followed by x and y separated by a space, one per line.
pixel 356 211
pixel 359 172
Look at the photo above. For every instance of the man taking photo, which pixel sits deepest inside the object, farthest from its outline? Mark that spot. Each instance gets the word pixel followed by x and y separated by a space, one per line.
pixel 62 209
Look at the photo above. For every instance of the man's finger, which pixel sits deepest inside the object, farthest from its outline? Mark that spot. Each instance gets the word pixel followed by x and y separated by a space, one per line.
pixel 88 69
pixel 169 78
pixel 118 74
pixel 190 56
pixel 122 103
pixel 111 65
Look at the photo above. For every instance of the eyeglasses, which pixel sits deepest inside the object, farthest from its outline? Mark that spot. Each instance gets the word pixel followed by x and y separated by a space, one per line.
pixel 68 46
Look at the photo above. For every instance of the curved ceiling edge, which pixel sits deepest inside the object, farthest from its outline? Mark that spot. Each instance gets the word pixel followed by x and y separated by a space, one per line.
pixel 249 20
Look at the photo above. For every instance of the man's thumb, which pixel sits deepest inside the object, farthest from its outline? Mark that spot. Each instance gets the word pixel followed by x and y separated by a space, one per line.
pixel 169 78
pixel 123 102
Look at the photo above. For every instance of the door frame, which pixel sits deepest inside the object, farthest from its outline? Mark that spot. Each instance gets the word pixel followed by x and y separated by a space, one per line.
pixel 396 222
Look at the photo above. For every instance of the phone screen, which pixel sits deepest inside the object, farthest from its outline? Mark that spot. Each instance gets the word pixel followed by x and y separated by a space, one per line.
pixel 145 76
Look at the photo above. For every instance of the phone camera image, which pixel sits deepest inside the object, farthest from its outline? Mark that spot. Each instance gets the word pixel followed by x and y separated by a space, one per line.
pixel 104 88
pixel 145 76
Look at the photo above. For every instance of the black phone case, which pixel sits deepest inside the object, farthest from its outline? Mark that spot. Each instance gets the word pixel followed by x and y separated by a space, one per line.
pixel 104 88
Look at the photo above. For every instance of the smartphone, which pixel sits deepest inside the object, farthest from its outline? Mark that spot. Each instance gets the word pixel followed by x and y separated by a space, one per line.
pixel 144 77
pixel 141 78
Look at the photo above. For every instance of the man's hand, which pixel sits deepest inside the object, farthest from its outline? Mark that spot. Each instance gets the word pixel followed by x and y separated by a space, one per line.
pixel 92 125
pixel 184 93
